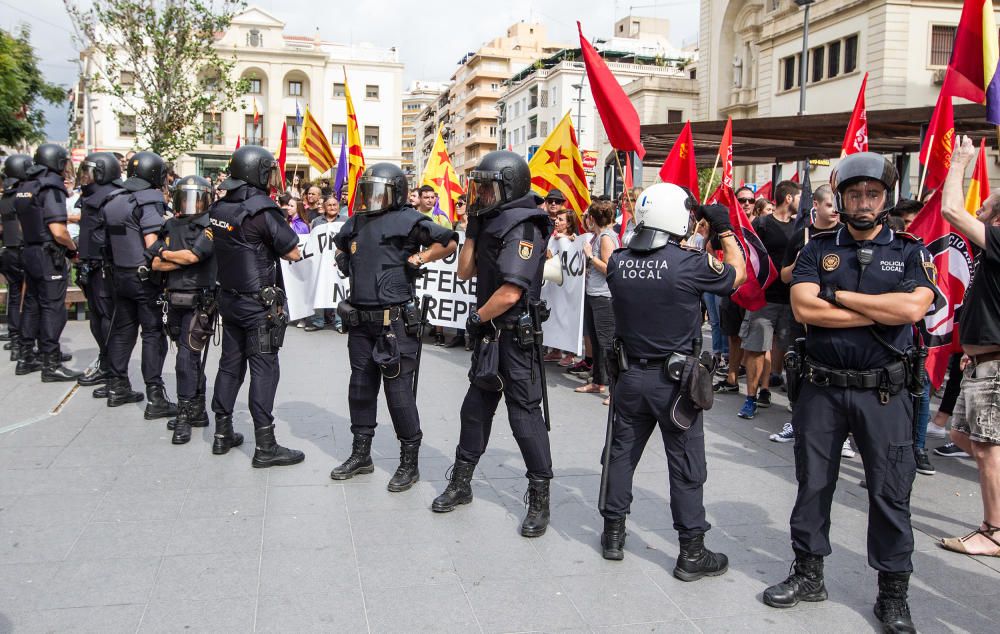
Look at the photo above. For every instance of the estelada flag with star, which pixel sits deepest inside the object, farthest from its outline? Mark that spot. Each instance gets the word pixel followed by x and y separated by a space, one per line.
pixel 355 156
pixel 557 164
pixel 680 168
pixel 440 174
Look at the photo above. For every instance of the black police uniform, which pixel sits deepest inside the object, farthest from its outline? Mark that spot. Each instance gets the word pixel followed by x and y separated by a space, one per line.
pixel 876 409
pixel 510 248
pixel 40 201
pixel 250 234
pixel 11 265
pixel 656 297
pixel 129 217
pixel 377 247
pixel 93 268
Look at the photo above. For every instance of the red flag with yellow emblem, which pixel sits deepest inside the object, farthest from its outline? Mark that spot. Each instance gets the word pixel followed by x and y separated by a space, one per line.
pixel 679 168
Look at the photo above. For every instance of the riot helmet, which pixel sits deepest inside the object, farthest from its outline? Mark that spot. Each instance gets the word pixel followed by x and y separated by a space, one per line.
pixel 383 187
pixel 252 165
pixel 863 167
pixel 54 157
pixel 16 167
pixel 662 211
pixel 99 168
pixel 145 170
pixel 192 195
pixel 501 177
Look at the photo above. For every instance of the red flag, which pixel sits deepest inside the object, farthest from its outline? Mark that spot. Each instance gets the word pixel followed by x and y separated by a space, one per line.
pixel 237 142
pixel 856 137
pixel 256 115
pixel 764 191
pixel 795 177
pixel 627 201
pixel 282 151
pixel 621 121
pixel 760 270
pixel 972 70
pixel 935 154
pixel 951 255
pixel 726 154
pixel 679 168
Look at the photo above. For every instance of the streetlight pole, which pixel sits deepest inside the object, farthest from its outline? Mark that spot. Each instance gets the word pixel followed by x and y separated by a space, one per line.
pixel 804 61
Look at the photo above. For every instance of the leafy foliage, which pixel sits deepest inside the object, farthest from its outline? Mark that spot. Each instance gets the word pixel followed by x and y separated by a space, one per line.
pixel 22 87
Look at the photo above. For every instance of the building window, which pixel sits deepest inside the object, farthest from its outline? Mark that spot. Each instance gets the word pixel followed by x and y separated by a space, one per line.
pixel 254 88
pixel 293 130
pixel 338 134
pixel 212 128
pixel 543 98
pixel 851 54
pixel 517 109
pixel 503 139
pixel 817 66
pixel 371 136
pixel 543 128
pixel 338 91
pixel 127 78
pixel 532 127
pixel 833 59
pixel 675 116
pixel 942 42
pixel 126 126
pixel 294 89
pixel 533 98
pixel 788 74
pixel 371 92
pixel 253 134
pixel 493 131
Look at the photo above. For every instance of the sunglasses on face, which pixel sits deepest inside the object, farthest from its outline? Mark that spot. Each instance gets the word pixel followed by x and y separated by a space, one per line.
pixel 552 201
pixel 745 201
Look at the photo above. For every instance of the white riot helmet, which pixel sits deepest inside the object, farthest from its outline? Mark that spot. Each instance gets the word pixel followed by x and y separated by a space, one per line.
pixel 663 210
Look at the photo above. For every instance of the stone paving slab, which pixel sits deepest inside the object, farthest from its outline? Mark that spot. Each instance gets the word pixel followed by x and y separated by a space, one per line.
pixel 107 527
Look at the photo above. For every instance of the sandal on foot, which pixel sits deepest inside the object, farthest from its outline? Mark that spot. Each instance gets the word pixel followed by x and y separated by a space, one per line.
pixel 957 544
pixel 590 388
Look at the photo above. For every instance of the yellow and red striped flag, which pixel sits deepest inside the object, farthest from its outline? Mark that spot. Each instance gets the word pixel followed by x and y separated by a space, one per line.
pixel 355 155
pixel 979 186
pixel 557 164
pixel 440 174
pixel 314 144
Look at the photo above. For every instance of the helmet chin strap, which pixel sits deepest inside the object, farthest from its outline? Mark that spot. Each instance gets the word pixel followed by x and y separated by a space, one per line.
pixel 864 225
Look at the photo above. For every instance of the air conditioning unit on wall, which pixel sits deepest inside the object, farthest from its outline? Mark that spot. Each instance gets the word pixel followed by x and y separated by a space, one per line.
pixel 937 78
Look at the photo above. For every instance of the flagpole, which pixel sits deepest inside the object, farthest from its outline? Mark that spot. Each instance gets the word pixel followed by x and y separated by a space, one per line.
pixel 923 177
pixel 711 177
pixel 628 194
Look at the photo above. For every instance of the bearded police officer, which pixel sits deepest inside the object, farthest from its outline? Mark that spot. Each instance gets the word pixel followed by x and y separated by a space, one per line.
pixel 184 253
pixel 15 172
pixel 656 288
pixel 250 234
pixel 858 289
pixel 132 221
pixel 99 179
pixel 505 249
pixel 379 247
pixel 41 210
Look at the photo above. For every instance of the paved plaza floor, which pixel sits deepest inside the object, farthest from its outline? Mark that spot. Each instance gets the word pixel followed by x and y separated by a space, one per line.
pixel 107 527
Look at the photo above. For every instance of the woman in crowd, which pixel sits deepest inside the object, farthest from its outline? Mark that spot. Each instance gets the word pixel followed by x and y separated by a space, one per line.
pixel 563 229
pixel 763 207
pixel 598 317
pixel 295 210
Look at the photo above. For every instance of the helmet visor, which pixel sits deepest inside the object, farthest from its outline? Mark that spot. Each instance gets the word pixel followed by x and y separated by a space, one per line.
pixel 274 178
pixel 190 200
pixel 87 174
pixel 375 194
pixel 485 192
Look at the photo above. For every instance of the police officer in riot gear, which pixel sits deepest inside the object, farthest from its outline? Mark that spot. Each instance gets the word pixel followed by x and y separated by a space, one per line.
pixel 379 247
pixel 505 247
pixel 41 210
pixel 250 234
pixel 858 289
pixel 132 220
pixel 184 253
pixel 656 288
pixel 99 179
pixel 15 172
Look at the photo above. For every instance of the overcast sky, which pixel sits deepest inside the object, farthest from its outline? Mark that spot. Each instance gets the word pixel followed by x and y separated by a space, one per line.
pixel 431 35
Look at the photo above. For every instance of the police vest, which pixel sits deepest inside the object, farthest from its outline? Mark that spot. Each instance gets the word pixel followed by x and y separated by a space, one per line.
pixel 496 232
pixel 379 273
pixel 179 234
pixel 242 266
pixel 30 208
pixel 93 239
pixel 122 218
pixel 12 237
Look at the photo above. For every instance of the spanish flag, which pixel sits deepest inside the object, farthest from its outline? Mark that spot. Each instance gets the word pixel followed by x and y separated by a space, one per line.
pixel 973 68
pixel 979 186
pixel 314 145
pixel 558 165
pixel 355 155
pixel 440 174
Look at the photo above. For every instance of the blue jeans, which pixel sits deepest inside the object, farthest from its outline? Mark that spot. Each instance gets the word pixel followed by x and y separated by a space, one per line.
pixel 923 417
pixel 323 317
pixel 720 343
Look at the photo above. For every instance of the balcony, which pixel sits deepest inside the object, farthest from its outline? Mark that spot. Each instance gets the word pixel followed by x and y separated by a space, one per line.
pixel 480 112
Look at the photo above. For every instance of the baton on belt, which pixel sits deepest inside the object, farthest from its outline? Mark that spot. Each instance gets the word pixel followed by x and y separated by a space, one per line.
pixel 536 320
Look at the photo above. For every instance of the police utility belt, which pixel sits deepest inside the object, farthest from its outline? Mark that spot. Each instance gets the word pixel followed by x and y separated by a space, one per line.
pixel 409 312
pixel 888 380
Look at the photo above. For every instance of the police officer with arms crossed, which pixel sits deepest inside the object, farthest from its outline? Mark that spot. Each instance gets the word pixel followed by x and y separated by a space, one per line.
pixel 99 178
pixel 41 209
pixel 15 172
pixel 656 289
pixel 250 234
pixel 858 290
pixel 505 248
pixel 379 247
pixel 132 220
pixel 184 253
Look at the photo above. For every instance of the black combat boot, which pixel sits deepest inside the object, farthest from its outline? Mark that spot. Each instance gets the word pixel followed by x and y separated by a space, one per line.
pixel 537 498
pixel 891 607
pixel 158 405
pixel 407 474
pixel 360 460
pixel 270 454
pixel 695 561
pixel 53 371
pixel 805 583
pixel 120 392
pixel 198 417
pixel 28 361
pixel 6 336
pixel 613 539
pixel 101 391
pixel 459 489
pixel 65 357
pixel 95 376
pixel 225 437
pixel 15 348
pixel 182 424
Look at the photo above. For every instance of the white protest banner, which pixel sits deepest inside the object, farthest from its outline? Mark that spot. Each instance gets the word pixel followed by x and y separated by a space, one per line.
pixel 311 282
pixel 564 328
pixel 451 299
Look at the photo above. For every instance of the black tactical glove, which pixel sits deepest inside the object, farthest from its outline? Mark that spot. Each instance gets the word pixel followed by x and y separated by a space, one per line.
pixel 717 217
pixel 829 293
pixel 472 228
pixel 905 286
pixel 343 263
pixel 474 325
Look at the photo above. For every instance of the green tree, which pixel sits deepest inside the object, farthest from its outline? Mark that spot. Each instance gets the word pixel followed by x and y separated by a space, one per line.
pixel 159 60
pixel 22 88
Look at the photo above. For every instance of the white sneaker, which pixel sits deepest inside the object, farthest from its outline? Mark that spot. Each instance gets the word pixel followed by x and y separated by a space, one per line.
pixel 787 434
pixel 933 431
pixel 847 451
